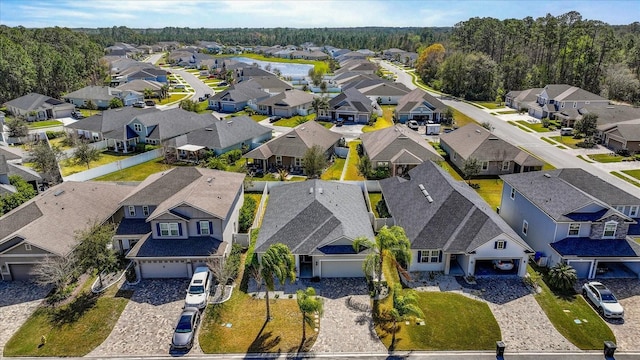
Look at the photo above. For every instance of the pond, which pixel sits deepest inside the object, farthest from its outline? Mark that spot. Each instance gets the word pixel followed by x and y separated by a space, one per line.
pixel 287 69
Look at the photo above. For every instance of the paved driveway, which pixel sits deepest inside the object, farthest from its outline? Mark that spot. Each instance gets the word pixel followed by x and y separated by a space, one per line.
pixel 627 332
pixel 18 300
pixel 147 322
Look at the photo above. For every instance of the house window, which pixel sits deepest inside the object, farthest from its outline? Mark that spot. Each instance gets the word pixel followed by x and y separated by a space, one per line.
pixel 145 210
pixel 574 229
pixel 500 245
pixel 609 229
pixel 168 229
pixel 562 106
pixel 633 211
pixel 454 155
pixel 513 193
pixel 383 164
pixel 27 247
pixel 620 208
pixel 525 227
pixel 575 104
pixel 132 210
pixel 298 162
pixel 429 256
pixel 204 228
pixel 485 165
pixel 505 165
pixel 278 160
pixel 137 127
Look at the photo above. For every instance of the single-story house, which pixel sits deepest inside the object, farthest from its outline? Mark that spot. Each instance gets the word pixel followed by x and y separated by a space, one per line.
pixel 496 156
pixel 351 106
pixel 36 107
pixel 383 92
pixel 451 229
pixel 101 96
pixel 622 135
pixel 318 220
pixel 287 104
pixel 141 85
pixel 420 106
pixel 237 96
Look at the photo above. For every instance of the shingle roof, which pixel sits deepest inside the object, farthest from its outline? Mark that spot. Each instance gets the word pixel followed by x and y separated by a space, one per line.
pixel 141 85
pixel 351 99
pixel 173 122
pixel 111 122
pixel 94 92
pixel 241 92
pixel 49 220
pixel 308 215
pixel 385 144
pixel 296 142
pixel 587 247
pixel 10 153
pixel 223 133
pixel 457 219
pixel 289 98
pixel 418 97
pixel 35 101
pixel 201 246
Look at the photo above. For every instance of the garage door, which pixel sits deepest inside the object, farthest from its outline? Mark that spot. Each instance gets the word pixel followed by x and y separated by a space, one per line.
pixel 582 268
pixel 343 268
pixel 163 269
pixel 281 112
pixel 21 272
pixel 228 107
pixel 615 144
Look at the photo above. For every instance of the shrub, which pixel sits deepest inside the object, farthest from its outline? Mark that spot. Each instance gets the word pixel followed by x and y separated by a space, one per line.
pixel 623 152
pixel 246 214
pixel 234 155
pixel 54 134
pixel 562 277
pixel 588 143
pixel 381 208
pixel 545 122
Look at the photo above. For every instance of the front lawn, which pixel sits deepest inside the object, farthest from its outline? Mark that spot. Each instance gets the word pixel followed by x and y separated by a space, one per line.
pixel 238 326
pixel 69 167
pixel 171 99
pixel 537 127
pixel 138 172
pixel 334 172
pixel 563 311
pixel 633 173
pixel 461 119
pixel 43 124
pixel 70 330
pixel 490 104
pixel 567 141
pixel 294 120
pixel 385 121
pixel 352 166
pixel 620 176
pixel 609 158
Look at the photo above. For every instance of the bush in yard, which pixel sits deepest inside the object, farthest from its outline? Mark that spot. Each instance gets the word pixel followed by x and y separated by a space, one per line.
pixel 545 122
pixel 587 143
pixel 234 155
pixel 246 214
pixel 562 277
pixel 381 208
pixel 54 134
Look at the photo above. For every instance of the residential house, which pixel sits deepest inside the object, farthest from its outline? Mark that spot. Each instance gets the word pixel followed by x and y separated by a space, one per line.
pixel 622 136
pixel 238 96
pixel 9 168
pixel 495 155
pixel 420 106
pixel 101 96
pixel 383 92
pixel 110 124
pixel 37 107
pixel 357 65
pixel 46 225
pixel 555 99
pixel 177 220
pixel 570 216
pixel 451 229
pixel 318 220
pixel 287 104
pixel 288 149
pixel 397 149
pixel 141 85
pixel 271 84
pixel 351 106
pixel 237 133
pixel 521 99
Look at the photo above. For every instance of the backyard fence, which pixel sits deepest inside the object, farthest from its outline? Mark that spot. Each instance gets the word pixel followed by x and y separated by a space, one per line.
pixel 115 166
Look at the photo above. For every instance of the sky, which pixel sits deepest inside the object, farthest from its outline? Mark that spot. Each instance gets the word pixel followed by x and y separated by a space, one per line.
pixel 296 13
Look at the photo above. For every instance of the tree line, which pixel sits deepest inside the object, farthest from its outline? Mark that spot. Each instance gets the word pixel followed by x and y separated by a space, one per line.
pixel 487 57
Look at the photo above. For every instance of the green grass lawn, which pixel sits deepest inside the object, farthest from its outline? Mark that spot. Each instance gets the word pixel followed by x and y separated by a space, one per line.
pixel 547 140
pixel 490 104
pixel 43 124
pixel 87 112
pixel 462 119
pixel 490 190
pixel 172 98
pixel 68 166
pixel 537 127
pixel 334 172
pixel 58 142
pixel 138 172
pixel 374 198
pixel 567 141
pixel 352 167
pixel 385 121
pixel 608 158
pixel 633 173
pixel 294 120
pixel 507 112
pixel 71 330
pixel 585 159
pixel 632 182
pixel 563 310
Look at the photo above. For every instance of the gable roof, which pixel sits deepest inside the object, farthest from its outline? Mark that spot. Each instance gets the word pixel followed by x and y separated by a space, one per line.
pixel 111 121
pixel 94 92
pixel 74 204
pixel 140 85
pixel 418 97
pixel 10 153
pixel 564 92
pixel 35 101
pixel 289 98
pixel 241 92
pixel 223 133
pixel 296 142
pixel 351 100
pixel 628 130
pixel 378 87
pixel 456 220
pixel 170 123
pixel 308 215
pixel 391 142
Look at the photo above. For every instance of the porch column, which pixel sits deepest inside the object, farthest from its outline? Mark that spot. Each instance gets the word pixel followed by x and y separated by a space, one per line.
pixel 447 262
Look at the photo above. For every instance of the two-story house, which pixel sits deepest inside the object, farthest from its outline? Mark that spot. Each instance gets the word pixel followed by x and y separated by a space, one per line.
pixel 179 219
pixel 570 216
pixel 553 99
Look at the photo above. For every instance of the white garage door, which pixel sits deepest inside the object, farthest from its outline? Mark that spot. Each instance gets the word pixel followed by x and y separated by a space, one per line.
pixel 281 112
pixel 164 269
pixel 342 268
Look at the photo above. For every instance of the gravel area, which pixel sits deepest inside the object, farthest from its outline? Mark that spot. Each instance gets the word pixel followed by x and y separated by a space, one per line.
pixel 18 300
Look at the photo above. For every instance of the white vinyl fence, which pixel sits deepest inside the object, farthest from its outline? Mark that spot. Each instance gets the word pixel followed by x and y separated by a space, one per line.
pixel 115 166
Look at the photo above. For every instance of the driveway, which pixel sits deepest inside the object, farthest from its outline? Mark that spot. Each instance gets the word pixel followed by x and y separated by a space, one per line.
pixel 18 300
pixel 627 332
pixel 147 322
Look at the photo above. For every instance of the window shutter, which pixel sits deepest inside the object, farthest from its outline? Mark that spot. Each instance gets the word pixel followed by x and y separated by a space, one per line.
pixel 179 229
pixel 419 256
pixel 440 256
pixel 210 228
pixel 504 245
pixel 495 245
pixel 198 226
pixel 158 228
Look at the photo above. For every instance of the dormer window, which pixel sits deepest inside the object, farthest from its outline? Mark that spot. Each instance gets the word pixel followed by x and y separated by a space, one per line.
pixel 574 229
pixel 132 210
pixel 633 211
pixel 610 229
pixel 137 127
pixel 145 210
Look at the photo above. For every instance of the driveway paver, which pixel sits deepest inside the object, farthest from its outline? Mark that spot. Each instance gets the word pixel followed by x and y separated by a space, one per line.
pixel 147 322
pixel 627 332
pixel 18 300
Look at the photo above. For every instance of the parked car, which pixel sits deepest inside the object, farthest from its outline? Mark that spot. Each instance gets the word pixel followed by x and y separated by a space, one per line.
pixel 150 103
pixel 185 330
pixel 339 122
pixel 139 104
pixel 199 288
pixel 76 114
pixel 603 299
pixel 274 119
pixel 223 84
pixel 413 125
pixel 504 265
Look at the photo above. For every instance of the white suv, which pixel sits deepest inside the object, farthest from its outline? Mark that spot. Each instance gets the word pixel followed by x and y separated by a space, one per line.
pixel 199 288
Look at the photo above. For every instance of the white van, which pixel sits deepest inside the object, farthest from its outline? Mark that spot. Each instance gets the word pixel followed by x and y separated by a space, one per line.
pixel 199 288
pixel 566 131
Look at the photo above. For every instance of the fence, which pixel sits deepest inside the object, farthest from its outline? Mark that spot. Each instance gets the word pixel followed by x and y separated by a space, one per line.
pixel 245 239
pixel 115 166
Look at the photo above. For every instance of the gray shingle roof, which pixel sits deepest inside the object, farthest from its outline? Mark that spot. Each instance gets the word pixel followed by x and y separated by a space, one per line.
pixel 418 97
pixel 35 101
pixel 289 98
pixel 310 214
pixel 141 85
pixel 351 99
pixel 200 246
pixel 457 220
pixel 223 134
pixel 241 92
pixel 94 92
pixel 173 122
pixel 111 122
pixel 385 144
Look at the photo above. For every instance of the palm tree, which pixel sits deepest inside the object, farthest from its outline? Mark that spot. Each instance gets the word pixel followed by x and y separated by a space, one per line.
pixel 390 242
pixel 405 304
pixel 562 277
pixel 308 303
pixel 320 103
pixel 148 93
pixel 164 91
pixel 276 263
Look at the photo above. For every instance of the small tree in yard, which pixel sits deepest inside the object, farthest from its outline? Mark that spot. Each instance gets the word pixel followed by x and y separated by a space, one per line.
pixel 277 263
pixel 308 303
pixel 45 160
pixel 91 106
pixel 364 167
pixel 93 252
pixel 115 103
pixel 405 304
pixel 56 271
pixel 84 154
pixel 562 277
pixel 447 117
pixel 17 127
pixel 470 169
pixel 587 125
pixel 314 161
